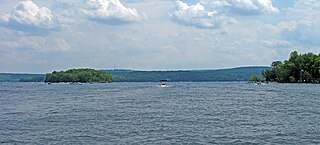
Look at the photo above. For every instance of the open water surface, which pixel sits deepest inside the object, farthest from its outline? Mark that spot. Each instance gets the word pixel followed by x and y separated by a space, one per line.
pixel 144 113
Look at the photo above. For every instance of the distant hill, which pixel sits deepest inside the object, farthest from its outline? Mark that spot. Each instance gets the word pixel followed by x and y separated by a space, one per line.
pixel 122 75
pixel 233 74
pixel 11 77
pixel 118 70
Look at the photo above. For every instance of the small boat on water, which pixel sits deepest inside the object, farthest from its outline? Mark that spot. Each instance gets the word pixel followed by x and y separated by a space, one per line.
pixel 261 83
pixel 258 83
pixel 163 83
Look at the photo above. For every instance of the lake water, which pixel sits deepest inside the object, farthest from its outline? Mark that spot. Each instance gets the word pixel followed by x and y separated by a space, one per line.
pixel 144 113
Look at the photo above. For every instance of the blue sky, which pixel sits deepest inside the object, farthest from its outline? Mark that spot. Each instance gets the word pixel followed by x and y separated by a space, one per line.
pixel 42 36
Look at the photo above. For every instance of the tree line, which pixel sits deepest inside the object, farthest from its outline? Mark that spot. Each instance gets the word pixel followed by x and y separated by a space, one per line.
pixel 79 75
pixel 232 74
pixel 299 68
pixel 220 75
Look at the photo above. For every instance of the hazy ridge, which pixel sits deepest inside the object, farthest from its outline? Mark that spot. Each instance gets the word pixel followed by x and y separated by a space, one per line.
pixel 232 74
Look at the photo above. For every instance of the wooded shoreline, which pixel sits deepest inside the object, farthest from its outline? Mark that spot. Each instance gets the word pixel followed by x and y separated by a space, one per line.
pixel 299 68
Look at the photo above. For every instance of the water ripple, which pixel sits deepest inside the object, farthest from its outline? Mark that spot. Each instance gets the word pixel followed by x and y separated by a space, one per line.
pixel 144 113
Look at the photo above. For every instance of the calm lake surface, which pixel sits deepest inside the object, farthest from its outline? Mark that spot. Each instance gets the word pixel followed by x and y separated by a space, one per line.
pixel 144 113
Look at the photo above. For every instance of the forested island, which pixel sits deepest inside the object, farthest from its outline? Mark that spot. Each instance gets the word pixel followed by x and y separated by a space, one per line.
pixel 299 68
pixel 78 75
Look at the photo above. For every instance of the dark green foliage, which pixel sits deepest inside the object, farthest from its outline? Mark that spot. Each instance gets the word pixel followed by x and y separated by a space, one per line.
pixel 255 78
pixel 303 68
pixel 235 74
pixel 79 75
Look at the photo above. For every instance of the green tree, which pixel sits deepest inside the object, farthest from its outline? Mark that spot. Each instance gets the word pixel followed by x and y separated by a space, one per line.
pixel 79 75
pixel 255 78
pixel 298 68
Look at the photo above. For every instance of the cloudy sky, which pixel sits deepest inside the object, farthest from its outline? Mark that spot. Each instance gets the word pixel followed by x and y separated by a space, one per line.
pixel 41 36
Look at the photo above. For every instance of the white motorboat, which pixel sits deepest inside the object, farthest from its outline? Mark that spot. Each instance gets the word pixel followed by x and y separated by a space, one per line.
pixel 163 83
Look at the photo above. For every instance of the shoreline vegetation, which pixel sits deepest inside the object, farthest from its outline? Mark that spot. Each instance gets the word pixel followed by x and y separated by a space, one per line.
pixel 299 68
pixel 122 75
pixel 78 76
pixel 220 75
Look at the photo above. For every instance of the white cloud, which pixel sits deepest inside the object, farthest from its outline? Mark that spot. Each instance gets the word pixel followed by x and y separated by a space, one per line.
pixel 147 45
pixel 307 10
pixel 38 43
pixel 259 6
pixel 216 13
pixel 304 33
pixel 314 4
pixel 301 26
pixel 110 12
pixel 277 43
pixel 197 15
pixel 242 7
pixel 27 16
pixel 4 18
pixel 282 26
